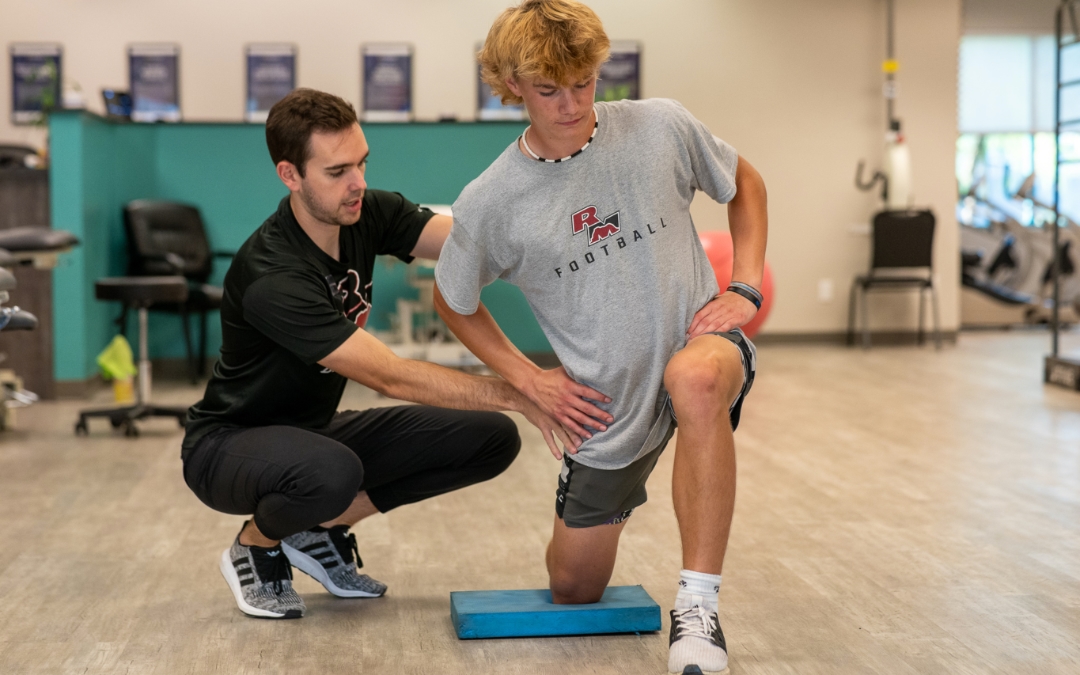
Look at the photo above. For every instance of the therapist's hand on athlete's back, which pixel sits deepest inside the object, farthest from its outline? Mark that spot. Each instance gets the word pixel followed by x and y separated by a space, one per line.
pixel 570 403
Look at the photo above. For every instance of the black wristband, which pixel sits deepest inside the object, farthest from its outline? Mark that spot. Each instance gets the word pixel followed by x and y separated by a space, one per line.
pixel 746 294
pixel 749 288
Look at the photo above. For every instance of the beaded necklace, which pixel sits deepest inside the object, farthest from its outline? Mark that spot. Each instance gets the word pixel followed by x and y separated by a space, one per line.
pixel 525 143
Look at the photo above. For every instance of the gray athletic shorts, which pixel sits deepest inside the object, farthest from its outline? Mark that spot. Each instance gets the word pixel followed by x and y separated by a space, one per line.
pixel 588 497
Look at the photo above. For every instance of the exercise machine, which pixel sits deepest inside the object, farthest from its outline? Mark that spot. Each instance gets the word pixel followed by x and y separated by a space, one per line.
pixel 12 393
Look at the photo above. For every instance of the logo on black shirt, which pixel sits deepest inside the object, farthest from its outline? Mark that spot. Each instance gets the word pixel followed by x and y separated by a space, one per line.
pixel 355 299
pixel 585 220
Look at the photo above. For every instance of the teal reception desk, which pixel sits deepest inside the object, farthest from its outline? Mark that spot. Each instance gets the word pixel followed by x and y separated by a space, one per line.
pixel 97 166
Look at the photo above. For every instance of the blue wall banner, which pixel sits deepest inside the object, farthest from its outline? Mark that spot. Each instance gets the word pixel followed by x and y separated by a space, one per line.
pixel 271 75
pixel 620 76
pixel 489 107
pixel 154 82
pixel 387 82
pixel 35 81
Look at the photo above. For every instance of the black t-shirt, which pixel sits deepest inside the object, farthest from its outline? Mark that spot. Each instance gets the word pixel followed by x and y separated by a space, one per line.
pixel 287 305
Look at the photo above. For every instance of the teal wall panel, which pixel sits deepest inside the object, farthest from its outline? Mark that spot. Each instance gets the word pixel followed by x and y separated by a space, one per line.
pixel 225 170
pixel 104 234
pixel 432 163
pixel 71 301
pixel 511 311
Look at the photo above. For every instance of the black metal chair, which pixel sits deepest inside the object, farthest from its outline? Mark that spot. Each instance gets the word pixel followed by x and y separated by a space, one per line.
pixel 140 293
pixel 903 244
pixel 168 238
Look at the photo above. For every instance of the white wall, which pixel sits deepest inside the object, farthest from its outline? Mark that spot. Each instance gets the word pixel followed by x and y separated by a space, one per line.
pixel 1009 16
pixel 794 85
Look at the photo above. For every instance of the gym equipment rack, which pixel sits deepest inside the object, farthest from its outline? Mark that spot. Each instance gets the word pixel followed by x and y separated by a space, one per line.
pixel 1059 369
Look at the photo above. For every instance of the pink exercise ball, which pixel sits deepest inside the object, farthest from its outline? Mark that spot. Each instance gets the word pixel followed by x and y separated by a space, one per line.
pixel 718 248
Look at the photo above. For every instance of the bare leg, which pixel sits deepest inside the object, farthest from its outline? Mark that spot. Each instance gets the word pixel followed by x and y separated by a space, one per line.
pixel 703 379
pixel 360 508
pixel 580 561
pixel 251 536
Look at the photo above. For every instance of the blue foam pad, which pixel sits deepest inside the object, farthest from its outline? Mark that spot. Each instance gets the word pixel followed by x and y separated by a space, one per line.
pixel 497 614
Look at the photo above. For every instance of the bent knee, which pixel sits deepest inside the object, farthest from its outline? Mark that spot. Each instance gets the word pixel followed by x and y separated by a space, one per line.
pixel 503 442
pixel 569 590
pixel 505 437
pixel 575 584
pixel 339 480
pixel 702 376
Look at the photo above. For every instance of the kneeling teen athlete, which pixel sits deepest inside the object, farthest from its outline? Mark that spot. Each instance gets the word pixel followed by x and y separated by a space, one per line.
pixel 266 439
pixel 588 213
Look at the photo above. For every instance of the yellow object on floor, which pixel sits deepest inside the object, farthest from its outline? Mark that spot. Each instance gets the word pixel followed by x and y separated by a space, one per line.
pixel 124 389
pixel 117 363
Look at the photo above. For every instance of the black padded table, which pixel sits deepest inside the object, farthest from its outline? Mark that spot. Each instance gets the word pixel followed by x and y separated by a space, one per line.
pixel 18 239
pixel 37 246
pixel 140 293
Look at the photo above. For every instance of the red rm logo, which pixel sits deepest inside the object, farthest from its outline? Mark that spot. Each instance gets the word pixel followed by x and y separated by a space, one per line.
pixel 599 230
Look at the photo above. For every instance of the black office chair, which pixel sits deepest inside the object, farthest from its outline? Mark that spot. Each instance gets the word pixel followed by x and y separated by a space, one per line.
pixel 168 238
pixel 902 240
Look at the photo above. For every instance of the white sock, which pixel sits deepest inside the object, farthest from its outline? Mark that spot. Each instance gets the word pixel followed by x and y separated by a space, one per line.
pixel 698 588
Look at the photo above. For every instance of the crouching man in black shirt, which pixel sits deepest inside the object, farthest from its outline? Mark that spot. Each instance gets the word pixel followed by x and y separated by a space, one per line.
pixel 266 439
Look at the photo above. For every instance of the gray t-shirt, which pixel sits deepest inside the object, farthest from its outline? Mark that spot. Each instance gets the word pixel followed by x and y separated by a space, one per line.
pixel 603 247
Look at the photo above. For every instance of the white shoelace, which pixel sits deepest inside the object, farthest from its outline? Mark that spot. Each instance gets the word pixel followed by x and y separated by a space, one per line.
pixel 696 622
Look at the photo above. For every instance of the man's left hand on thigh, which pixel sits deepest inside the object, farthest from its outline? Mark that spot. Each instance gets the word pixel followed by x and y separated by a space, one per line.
pixel 725 312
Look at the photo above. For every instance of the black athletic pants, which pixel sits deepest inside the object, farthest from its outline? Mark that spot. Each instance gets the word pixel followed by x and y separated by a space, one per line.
pixel 292 479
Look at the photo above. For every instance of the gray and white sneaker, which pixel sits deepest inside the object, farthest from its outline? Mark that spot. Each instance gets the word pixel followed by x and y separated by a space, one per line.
pixel 330 557
pixel 260 579
pixel 696 644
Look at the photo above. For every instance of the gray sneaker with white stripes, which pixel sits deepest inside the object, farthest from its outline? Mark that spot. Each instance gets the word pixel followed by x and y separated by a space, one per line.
pixel 260 579
pixel 330 557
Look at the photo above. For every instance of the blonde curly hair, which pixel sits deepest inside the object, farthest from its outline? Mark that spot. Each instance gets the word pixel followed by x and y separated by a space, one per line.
pixel 558 40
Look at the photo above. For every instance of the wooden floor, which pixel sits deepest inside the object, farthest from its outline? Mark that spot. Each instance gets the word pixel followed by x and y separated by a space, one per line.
pixel 899 511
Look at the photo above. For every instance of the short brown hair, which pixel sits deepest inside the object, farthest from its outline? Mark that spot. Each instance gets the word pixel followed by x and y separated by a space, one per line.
pixel 293 119
pixel 553 39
